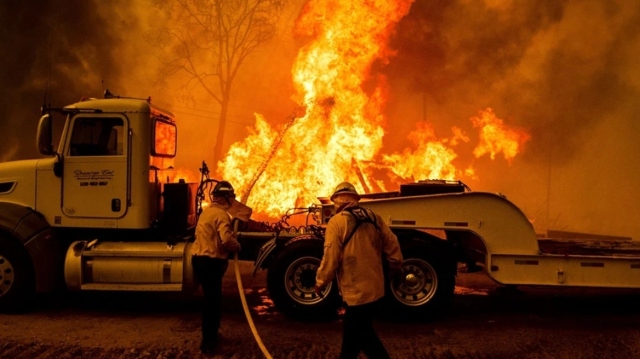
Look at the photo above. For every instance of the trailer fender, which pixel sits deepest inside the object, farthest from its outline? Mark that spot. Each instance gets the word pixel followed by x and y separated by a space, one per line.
pixel 271 248
pixel 265 252
pixel 410 239
pixel 31 231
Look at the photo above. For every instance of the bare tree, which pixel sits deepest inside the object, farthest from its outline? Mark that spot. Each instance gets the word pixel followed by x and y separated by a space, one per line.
pixel 210 40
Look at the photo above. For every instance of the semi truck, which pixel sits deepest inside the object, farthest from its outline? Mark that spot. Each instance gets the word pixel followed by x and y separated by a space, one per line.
pixel 98 213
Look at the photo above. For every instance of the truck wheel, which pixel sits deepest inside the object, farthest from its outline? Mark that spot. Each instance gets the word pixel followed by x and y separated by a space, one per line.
pixel 17 286
pixel 291 279
pixel 425 285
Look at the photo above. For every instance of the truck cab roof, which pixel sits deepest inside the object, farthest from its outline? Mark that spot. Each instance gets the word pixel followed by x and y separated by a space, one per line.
pixel 123 105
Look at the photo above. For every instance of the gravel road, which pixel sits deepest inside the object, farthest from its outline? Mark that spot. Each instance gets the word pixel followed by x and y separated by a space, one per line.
pixel 486 322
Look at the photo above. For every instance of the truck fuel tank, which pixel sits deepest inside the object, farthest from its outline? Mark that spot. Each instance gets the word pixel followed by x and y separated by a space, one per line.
pixel 129 266
pixel 178 206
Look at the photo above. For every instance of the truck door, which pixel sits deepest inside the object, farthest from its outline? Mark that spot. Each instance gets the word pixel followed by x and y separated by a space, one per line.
pixel 95 170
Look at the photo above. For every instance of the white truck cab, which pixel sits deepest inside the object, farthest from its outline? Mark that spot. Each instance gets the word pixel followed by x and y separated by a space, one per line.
pixel 100 177
pixel 96 211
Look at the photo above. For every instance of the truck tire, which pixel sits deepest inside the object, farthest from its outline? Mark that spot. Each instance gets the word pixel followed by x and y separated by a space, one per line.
pixel 17 284
pixel 425 285
pixel 291 279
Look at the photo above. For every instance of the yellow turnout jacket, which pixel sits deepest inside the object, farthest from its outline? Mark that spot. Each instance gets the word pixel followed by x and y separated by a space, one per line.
pixel 358 266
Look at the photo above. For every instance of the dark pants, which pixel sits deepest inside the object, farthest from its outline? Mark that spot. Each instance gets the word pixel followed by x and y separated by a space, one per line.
pixel 209 272
pixel 358 333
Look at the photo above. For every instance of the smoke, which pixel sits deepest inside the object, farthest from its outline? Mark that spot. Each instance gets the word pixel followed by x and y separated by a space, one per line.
pixel 554 67
pixel 60 51
pixel 565 71
pixel 11 149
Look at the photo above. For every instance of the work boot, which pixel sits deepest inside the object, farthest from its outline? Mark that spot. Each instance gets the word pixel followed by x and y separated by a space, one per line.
pixel 208 346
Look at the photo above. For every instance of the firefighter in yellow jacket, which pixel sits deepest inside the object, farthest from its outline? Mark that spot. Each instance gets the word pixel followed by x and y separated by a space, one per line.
pixel 356 239
pixel 215 240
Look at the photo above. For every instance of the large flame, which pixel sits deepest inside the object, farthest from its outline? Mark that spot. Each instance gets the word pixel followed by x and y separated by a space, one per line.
pixel 430 160
pixel 342 126
pixel 339 137
pixel 496 137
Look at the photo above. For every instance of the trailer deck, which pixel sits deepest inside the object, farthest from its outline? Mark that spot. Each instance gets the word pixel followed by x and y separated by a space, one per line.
pixel 590 247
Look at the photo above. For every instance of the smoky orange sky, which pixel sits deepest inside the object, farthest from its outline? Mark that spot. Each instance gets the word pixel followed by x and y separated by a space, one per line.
pixel 564 71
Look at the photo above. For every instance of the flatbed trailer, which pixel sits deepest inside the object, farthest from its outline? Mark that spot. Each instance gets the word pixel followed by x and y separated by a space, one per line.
pixel 499 236
pixel 442 224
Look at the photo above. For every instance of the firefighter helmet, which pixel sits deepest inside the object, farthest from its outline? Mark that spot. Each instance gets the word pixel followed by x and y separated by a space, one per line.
pixel 345 188
pixel 224 189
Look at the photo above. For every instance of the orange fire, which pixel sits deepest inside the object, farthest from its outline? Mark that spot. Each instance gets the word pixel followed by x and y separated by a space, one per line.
pixel 342 126
pixel 432 159
pixel 495 137
pixel 339 137
pixel 165 136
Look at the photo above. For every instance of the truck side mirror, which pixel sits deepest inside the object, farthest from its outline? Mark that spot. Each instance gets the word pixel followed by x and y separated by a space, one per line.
pixel 44 136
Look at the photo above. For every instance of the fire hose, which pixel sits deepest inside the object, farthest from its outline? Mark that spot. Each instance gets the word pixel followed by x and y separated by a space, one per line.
pixel 254 331
pixel 246 310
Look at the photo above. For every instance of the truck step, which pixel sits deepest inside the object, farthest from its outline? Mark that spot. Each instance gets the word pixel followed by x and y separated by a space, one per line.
pixel 172 287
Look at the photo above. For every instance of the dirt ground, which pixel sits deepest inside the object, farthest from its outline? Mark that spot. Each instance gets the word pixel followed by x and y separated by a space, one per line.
pixel 485 322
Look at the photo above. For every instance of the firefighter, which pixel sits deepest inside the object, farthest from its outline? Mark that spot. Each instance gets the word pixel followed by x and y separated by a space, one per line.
pixel 215 241
pixel 356 239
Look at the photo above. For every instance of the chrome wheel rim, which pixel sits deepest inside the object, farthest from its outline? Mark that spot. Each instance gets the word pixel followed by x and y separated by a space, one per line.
pixel 300 280
pixel 6 275
pixel 417 283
